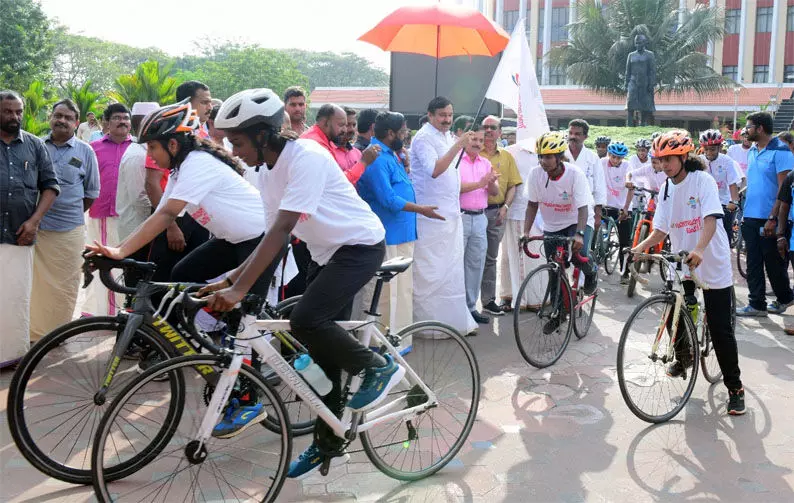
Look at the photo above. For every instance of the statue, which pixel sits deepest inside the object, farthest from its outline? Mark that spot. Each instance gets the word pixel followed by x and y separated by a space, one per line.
pixel 640 80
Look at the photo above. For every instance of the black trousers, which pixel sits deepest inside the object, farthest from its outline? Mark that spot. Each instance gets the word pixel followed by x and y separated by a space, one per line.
pixel 165 258
pixel 303 258
pixel 329 297
pixel 727 221
pixel 624 230
pixel 762 254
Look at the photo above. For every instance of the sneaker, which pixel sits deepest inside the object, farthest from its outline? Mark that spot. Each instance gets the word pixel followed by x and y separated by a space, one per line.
pixel 677 369
pixel 590 284
pixel 376 385
pixel 506 306
pixel 149 360
pixel 237 418
pixel 736 402
pixel 624 280
pixel 749 310
pixel 310 460
pixel 776 307
pixel 492 308
pixel 479 318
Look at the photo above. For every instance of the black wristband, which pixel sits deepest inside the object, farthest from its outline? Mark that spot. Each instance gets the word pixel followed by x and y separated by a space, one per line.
pixel 229 281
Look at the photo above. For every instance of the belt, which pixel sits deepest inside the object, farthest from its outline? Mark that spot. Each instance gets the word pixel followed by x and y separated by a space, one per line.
pixel 472 212
pixel 494 206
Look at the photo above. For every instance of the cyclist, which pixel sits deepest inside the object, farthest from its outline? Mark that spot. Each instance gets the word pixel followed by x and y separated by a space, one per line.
pixel 688 209
pixel 641 158
pixel 618 196
pixel 560 192
pixel 650 176
pixel 306 194
pixel 726 173
pixel 601 144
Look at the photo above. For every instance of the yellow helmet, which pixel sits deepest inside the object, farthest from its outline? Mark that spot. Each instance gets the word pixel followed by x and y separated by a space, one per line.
pixel 553 142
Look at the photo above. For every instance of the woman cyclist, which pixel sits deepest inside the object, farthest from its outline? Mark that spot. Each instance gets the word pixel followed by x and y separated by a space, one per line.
pixel 618 195
pixel 688 209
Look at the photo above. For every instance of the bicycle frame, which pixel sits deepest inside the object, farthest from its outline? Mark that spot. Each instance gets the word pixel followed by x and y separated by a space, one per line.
pixel 349 425
pixel 560 259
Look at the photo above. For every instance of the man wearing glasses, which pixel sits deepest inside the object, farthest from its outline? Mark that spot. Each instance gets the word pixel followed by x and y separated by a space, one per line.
pixel 103 218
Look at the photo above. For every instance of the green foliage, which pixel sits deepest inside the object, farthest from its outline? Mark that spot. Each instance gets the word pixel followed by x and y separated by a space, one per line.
pixel 149 82
pixel 327 69
pixel 26 47
pixel 86 99
pixel 231 67
pixel 603 36
pixel 37 103
pixel 628 135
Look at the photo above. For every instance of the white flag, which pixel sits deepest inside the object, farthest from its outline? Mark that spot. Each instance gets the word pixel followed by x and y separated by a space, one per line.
pixel 515 85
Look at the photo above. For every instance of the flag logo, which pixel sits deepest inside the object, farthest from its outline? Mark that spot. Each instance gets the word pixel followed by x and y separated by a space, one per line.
pixel 516 81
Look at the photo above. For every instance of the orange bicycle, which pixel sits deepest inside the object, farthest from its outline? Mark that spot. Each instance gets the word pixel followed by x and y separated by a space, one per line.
pixel 643 227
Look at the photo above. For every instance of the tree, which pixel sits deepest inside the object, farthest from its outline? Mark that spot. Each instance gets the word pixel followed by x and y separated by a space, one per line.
pixel 327 69
pixel 26 46
pixel 37 102
pixel 86 99
pixel 230 67
pixel 602 38
pixel 149 82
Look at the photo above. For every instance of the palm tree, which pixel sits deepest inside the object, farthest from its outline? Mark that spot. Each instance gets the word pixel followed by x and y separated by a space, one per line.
pixel 149 82
pixel 603 36
pixel 86 99
pixel 37 101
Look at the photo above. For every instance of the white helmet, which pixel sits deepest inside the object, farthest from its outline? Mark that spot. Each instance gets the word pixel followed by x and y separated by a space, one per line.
pixel 251 107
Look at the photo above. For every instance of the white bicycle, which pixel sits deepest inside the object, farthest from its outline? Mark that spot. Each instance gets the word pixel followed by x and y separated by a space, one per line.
pixel 413 433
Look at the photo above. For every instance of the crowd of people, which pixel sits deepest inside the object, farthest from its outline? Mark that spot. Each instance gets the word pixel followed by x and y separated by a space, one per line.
pixel 245 195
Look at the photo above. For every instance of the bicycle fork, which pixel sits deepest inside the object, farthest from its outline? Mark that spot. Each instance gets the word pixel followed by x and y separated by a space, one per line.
pixel 669 353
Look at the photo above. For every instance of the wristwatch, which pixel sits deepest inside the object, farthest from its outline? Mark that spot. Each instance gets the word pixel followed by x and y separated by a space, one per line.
pixel 772 218
pixel 580 233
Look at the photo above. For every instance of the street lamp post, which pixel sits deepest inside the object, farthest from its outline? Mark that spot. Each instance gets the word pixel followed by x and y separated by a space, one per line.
pixel 735 105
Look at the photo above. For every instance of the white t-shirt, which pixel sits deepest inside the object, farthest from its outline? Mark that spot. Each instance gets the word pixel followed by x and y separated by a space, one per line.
pixel 616 183
pixel 739 154
pixel 132 202
pixel 590 164
pixel 681 216
pixel 217 198
pixel 559 200
pixel 726 172
pixel 647 178
pixel 307 180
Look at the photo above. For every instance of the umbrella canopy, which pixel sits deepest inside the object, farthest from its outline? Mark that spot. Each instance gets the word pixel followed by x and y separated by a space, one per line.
pixel 439 31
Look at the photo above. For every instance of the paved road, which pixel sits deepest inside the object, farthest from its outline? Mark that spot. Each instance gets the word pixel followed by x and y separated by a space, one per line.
pixel 563 434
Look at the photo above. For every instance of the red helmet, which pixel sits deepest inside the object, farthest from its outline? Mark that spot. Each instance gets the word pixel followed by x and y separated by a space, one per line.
pixel 710 137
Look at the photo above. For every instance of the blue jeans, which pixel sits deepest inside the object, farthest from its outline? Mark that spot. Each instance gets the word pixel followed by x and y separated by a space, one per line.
pixel 475 246
pixel 762 253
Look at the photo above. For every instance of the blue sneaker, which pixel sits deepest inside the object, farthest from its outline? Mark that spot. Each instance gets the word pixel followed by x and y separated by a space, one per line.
pixel 749 310
pixel 310 460
pixel 776 307
pixel 237 418
pixel 376 385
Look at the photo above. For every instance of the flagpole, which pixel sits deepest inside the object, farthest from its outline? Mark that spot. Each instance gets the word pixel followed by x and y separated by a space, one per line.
pixel 476 116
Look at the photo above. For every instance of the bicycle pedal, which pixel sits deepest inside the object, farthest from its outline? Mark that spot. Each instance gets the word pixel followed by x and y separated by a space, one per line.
pixel 325 466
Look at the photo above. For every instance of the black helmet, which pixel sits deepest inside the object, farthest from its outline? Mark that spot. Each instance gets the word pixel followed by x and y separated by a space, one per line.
pixel 168 121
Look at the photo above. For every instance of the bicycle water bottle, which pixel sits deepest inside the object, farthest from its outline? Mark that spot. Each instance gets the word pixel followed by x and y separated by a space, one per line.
pixel 693 308
pixel 313 374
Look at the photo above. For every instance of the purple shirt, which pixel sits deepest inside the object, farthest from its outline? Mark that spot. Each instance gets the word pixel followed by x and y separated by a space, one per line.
pixel 472 171
pixel 108 154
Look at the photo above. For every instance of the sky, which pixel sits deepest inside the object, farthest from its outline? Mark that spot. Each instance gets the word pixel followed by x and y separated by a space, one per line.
pixel 175 26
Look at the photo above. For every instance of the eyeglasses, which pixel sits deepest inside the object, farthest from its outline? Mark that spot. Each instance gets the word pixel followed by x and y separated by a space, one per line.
pixel 60 116
pixel 490 127
pixel 119 118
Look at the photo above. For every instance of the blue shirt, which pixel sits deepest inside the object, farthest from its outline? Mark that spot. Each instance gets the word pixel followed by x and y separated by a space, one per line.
pixel 385 186
pixel 78 176
pixel 762 170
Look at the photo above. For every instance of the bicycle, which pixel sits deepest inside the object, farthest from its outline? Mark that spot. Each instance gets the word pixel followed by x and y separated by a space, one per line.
pixel 607 246
pixel 643 227
pixel 741 252
pixel 550 297
pixel 642 359
pixel 189 463
pixel 61 387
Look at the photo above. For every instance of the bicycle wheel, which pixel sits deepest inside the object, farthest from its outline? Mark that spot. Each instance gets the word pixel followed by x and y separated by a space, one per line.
pixel 644 267
pixel 612 256
pixel 250 466
pixel 543 329
pixel 583 313
pixel 741 256
pixel 51 410
pixel 417 448
pixel 648 391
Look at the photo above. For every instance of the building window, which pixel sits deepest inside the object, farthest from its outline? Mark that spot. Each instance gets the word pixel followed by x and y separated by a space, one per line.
pixel 559 21
pixel 541 17
pixel 557 76
pixel 760 74
pixel 539 69
pixel 732 72
pixel 732 20
pixel 788 73
pixel 790 18
pixel 763 20
pixel 510 20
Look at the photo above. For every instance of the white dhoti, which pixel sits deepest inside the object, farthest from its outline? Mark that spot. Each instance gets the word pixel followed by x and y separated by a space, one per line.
pixel 518 265
pixel 100 301
pixel 16 270
pixel 56 279
pixel 439 288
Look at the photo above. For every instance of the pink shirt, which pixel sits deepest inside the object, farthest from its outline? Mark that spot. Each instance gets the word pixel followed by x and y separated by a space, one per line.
pixel 349 161
pixel 472 171
pixel 108 154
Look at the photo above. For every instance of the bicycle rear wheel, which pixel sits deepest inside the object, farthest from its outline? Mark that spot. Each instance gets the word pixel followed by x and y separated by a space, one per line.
pixel 250 466
pixel 741 256
pixel 417 448
pixel 543 328
pixel 612 255
pixel 51 410
pixel 583 313
pixel 648 391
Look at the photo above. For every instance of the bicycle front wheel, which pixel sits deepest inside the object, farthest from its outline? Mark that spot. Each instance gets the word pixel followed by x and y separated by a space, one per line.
pixel 583 311
pixel 741 256
pixel 647 352
pixel 417 448
pixel 612 255
pixel 541 320
pixel 250 466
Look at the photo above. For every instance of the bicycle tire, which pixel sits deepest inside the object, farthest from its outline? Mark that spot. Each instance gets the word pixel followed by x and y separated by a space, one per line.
pixel 425 348
pixel 741 256
pixel 638 377
pixel 612 255
pixel 58 342
pixel 546 300
pixel 583 316
pixel 639 267
pixel 181 366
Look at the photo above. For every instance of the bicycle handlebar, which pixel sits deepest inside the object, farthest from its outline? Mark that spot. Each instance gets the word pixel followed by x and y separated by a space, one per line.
pixel 665 260
pixel 524 244
pixel 104 265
